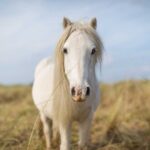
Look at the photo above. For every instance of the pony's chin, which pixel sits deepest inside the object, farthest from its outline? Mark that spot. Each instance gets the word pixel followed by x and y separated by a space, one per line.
pixel 82 101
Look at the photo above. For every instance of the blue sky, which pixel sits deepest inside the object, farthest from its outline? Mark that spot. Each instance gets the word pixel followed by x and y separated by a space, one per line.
pixel 29 31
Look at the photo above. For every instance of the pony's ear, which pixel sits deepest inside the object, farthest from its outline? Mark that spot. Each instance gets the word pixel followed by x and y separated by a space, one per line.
pixel 66 22
pixel 93 23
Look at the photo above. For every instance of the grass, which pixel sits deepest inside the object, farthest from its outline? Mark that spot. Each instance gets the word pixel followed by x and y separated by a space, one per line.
pixel 122 121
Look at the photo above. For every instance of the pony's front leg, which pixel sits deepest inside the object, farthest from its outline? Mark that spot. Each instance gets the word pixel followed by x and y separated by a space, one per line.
pixel 47 129
pixel 84 133
pixel 65 134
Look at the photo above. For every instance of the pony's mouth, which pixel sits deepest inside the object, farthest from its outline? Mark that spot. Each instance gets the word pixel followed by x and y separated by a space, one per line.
pixel 78 99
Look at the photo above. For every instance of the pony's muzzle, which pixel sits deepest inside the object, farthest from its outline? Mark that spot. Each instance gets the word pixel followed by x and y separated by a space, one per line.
pixel 79 94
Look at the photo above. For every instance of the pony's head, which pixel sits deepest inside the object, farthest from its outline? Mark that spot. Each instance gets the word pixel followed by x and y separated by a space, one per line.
pixel 77 52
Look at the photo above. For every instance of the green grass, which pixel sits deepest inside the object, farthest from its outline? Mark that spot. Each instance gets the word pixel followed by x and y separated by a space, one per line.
pixel 122 121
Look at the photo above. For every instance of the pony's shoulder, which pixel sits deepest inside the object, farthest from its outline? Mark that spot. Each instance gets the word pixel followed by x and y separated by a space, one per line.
pixel 43 64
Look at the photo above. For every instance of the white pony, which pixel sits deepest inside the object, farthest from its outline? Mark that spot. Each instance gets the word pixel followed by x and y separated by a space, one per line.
pixel 66 89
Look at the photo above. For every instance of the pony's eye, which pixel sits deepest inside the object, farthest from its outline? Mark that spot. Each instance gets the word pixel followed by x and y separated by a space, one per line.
pixel 93 51
pixel 65 50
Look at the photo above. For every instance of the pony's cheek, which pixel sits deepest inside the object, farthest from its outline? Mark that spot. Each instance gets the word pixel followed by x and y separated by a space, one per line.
pixel 66 66
pixel 67 73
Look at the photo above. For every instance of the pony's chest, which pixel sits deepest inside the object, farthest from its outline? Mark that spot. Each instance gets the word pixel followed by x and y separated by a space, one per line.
pixel 81 112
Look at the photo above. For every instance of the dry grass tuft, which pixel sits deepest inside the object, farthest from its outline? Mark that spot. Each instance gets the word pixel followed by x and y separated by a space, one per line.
pixel 122 121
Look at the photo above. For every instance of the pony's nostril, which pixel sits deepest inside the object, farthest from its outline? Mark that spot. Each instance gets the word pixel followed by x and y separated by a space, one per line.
pixel 88 91
pixel 73 91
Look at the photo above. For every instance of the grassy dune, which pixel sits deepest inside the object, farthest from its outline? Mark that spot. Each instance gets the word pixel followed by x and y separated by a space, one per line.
pixel 122 121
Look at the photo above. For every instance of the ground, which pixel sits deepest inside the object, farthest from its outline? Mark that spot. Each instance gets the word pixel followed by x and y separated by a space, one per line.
pixel 122 121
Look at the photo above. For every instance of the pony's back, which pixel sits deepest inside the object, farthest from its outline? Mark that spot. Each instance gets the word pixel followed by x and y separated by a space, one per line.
pixel 42 64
